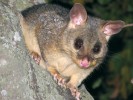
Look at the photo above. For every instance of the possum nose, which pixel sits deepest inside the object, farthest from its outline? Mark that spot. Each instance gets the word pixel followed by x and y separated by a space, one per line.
pixel 84 63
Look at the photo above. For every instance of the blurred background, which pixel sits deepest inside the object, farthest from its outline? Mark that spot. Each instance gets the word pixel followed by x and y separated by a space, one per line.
pixel 112 80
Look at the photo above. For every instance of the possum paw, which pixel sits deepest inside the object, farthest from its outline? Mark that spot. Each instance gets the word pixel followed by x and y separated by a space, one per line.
pixel 36 57
pixel 74 91
pixel 60 81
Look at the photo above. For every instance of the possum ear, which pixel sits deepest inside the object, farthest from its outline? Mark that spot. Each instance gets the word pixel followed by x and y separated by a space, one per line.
pixel 78 15
pixel 112 27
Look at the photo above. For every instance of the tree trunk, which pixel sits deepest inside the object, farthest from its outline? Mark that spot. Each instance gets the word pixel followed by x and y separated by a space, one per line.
pixel 20 77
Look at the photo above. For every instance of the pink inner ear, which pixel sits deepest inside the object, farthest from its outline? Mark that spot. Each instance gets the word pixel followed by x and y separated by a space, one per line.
pixel 77 20
pixel 113 27
pixel 107 30
pixel 78 14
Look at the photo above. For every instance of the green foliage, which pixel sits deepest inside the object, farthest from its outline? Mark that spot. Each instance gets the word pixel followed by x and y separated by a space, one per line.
pixel 103 2
pixel 97 83
pixel 122 65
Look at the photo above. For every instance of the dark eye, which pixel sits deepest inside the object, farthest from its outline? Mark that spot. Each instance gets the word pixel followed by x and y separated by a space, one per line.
pixel 78 43
pixel 97 48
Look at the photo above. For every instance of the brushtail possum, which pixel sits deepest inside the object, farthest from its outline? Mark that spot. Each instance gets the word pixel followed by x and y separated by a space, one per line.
pixel 67 43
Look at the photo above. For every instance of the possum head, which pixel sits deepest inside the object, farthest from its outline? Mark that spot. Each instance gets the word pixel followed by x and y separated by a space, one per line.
pixel 86 37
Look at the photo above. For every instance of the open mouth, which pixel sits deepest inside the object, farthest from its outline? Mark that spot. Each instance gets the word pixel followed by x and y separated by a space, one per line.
pixel 85 63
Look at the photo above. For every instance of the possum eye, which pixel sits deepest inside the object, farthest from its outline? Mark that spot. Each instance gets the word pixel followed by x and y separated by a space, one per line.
pixel 97 47
pixel 78 43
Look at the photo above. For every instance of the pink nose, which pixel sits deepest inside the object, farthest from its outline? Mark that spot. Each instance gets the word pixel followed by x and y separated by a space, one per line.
pixel 85 62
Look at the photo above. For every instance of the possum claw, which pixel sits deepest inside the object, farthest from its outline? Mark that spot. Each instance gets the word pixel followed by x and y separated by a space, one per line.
pixel 74 92
pixel 36 57
pixel 60 81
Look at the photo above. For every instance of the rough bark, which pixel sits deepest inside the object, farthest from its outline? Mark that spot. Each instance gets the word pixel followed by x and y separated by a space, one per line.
pixel 20 77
